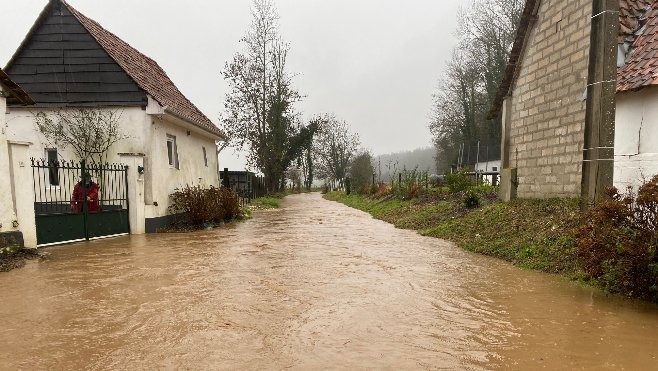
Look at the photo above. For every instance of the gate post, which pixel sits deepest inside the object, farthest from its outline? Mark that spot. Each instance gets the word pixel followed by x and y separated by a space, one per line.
pixel 7 210
pixel 136 209
pixel 23 191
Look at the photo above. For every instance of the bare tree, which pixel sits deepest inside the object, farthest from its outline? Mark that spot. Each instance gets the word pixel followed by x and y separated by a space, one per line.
pixel 335 147
pixel 471 79
pixel 90 132
pixel 259 114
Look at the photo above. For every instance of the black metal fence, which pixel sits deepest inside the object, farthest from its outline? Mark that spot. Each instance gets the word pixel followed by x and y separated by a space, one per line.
pixel 59 187
pixel 246 185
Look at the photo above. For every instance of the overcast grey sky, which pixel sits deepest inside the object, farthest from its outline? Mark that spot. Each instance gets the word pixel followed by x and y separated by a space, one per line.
pixel 374 63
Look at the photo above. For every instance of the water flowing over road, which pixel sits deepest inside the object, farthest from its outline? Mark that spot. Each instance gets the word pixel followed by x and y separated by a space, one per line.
pixel 312 286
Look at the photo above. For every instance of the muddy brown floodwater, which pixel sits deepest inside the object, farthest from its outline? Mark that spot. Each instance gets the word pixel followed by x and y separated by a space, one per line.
pixel 312 286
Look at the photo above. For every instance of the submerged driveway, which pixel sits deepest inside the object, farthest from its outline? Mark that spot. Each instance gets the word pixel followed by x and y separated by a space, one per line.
pixel 312 286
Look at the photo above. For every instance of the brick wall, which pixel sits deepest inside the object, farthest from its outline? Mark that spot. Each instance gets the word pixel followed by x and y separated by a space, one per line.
pixel 548 118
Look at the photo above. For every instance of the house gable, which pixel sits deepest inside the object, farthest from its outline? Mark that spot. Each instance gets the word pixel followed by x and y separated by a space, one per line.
pixel 61 64
pixel 544 114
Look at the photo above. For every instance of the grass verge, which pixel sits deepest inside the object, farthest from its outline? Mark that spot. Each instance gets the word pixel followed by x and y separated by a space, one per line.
pixel 264 203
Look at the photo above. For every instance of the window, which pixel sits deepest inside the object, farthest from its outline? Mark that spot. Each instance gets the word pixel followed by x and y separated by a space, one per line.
pixel 205 158
pixel 53 166
pixel 172 151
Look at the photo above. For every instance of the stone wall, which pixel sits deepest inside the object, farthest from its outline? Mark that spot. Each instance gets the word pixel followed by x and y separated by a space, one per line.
pixel 547 115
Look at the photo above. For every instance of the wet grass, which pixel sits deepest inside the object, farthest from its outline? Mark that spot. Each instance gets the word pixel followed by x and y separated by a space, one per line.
pixel 532 234
pixel 264 203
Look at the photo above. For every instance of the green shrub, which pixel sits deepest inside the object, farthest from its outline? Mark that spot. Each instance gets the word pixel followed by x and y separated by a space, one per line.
pixel 470 199
pixel 201 205
pixel 361 171
pixel 457 181
pixel 618 240
pixel 411 181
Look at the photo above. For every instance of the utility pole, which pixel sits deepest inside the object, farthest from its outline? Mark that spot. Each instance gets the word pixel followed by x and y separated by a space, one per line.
pixel 599 151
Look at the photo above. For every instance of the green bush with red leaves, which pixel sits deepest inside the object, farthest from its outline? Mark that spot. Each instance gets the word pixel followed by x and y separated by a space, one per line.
pixel 618 242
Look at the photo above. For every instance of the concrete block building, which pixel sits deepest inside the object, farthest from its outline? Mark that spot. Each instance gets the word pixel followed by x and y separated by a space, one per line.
pixel 557 99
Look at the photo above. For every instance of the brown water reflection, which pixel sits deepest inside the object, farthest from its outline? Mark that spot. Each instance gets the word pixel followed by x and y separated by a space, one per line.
pixel 312 286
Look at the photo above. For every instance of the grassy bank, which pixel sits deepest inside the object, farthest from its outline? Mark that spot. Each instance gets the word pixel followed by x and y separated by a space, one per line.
pixel 272 201
pixel 533 234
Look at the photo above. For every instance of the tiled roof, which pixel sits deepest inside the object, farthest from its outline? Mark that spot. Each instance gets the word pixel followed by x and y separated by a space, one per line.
pixel 17 95
pixel 641 69
pixel 144 71
pixel 630 14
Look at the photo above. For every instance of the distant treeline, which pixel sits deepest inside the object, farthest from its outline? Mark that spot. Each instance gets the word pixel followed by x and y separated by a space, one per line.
pixel 395 162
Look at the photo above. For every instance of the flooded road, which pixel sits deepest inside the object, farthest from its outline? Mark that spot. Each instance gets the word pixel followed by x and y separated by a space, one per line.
pixel 312 286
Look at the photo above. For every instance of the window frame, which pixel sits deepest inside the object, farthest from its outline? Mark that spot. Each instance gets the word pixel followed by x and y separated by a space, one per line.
pixel 205 156
pixel 47 152
pixel 172 157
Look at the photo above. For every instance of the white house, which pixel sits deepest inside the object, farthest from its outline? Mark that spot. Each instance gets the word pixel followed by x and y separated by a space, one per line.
pixel 636 126
pixel 16 208
pixel 68 61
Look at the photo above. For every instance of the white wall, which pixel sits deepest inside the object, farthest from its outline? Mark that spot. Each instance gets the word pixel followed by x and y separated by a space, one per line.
pixel 488 166
pixel 134 123
pixel 636 137
pixel 7 211
pixel 163 178
pixel 147 134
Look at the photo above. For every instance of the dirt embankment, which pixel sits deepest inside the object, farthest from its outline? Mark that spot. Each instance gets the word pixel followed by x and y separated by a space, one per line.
pixel 18 259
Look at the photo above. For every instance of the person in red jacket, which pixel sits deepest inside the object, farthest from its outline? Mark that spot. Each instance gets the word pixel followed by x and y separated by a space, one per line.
pixel 92 195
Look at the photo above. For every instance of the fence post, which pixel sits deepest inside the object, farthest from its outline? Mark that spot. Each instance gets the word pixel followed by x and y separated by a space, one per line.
pixel 226 181
pixel 83 180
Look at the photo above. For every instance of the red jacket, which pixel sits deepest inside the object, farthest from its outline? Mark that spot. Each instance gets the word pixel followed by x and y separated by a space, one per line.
pixel 92 194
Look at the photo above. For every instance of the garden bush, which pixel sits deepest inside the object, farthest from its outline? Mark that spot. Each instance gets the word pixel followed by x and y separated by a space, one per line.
pixel 457 181
pixel 201 205
pixel 381 190
pixel 411 181
pixel 470 199
pixel 618 239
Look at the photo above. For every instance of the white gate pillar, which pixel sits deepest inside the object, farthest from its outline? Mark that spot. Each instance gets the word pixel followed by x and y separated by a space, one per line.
pixel 7 210
pixel 23 191
pixel 135 161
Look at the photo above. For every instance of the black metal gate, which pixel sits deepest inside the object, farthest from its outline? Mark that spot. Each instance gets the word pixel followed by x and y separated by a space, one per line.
pixel 71 207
